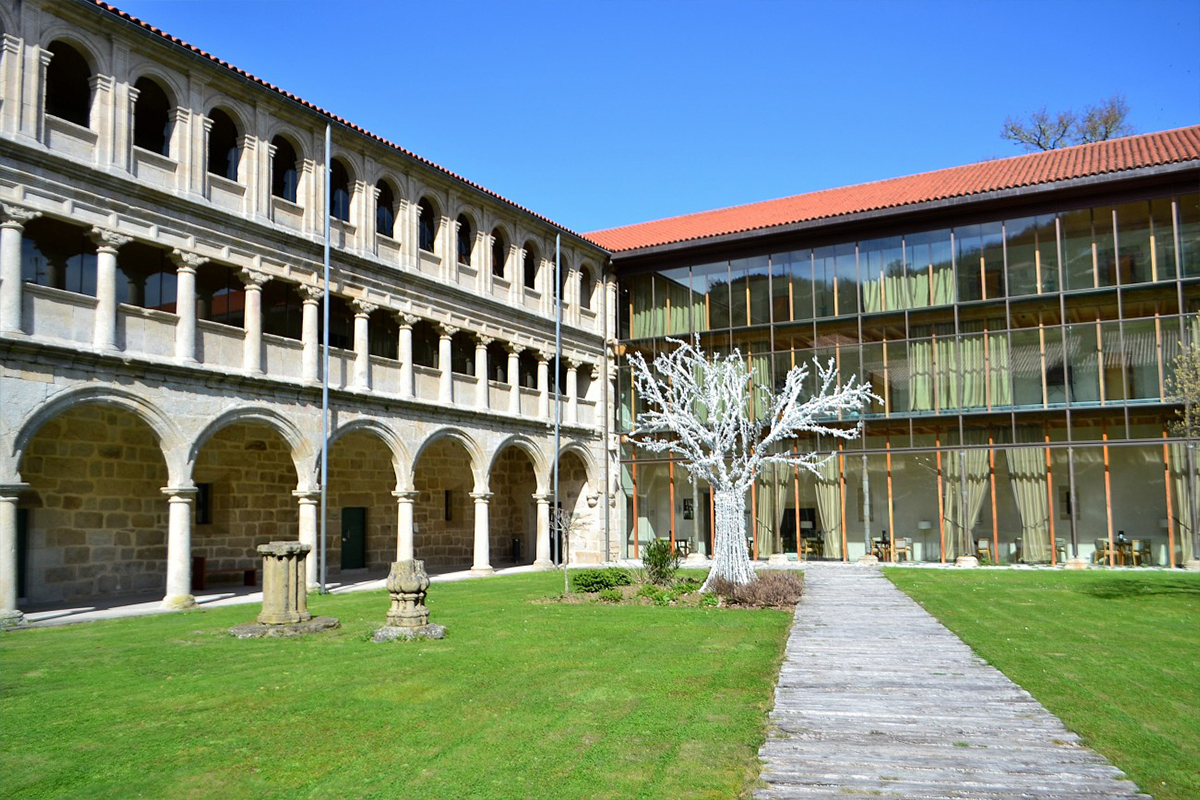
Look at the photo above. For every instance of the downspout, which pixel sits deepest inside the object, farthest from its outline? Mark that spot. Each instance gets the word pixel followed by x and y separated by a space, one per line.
pixel 325 381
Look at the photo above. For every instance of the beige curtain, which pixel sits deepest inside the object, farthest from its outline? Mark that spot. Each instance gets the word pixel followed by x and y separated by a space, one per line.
pixel 1183 491
pixel 973 372
pixel 643 308
pixel 943 285
pixel 948 375
pixel 920 366
pixel 969 467
pixel 873 295
pixel 773 483
pixel 763 388
pixel 829 507
pixel 1027 474
pixel 680 298
pixel 998 370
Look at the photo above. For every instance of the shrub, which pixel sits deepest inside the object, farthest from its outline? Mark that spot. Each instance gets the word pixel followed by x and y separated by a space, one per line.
pixel 656 594
pixel 661 561
pixel 595 580
pixel 686 584
pixel 610 595
pixel 771 589
pixel 709 600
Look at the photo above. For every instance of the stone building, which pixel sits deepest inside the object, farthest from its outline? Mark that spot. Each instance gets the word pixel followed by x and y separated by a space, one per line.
pixel 161 313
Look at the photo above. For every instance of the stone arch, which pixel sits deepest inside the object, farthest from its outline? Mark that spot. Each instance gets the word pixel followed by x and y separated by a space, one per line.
pixel 401 463
pixel 585 455
pixel 169 437
pixel 69 34
pixel 145 68
pixel 303 457
pixel 469 444
pixel 541 466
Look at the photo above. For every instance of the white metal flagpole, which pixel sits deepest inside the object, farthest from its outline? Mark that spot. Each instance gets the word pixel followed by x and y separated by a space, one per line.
pixel 325 377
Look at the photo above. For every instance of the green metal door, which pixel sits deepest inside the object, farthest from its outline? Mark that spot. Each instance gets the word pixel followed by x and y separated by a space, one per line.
pixel 354 538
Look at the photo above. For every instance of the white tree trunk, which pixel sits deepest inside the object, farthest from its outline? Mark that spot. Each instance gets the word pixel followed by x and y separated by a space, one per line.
pixel 731 560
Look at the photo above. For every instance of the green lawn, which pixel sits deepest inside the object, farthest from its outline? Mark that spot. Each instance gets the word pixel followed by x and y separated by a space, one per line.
pixel 1116 655
pixel 521 700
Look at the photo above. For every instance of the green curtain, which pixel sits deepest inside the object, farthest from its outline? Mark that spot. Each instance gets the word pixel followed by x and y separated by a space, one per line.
pixel 998 370
pixel 773 482
pixel 973 371
pixel 872 295
pixel 763 388
pixel 920 365
pixel 943 285
pixel 1027 475
pixel 1183 497
pixel 829 507
pixel 969 467
pixel 948 375
pixel 642 297
pixel 896 291
pixel 680 298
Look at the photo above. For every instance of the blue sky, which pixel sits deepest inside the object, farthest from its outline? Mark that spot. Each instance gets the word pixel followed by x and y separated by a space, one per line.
pixel 598 114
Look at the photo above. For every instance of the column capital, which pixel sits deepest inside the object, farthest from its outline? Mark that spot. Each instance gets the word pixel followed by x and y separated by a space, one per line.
pixel 406 495
pixel 180 494
pixel 483 340
pixel 185 259
pixel 252 278
pixel 11 491
pixel 406 319
pixel 445 330
pixel 514 348
pixel 481 497
pixel 571 362
pixel 14 216
pixel 541 497
pixel 363 309
pixel 310 293
pixel 306 496
pixel 542 356
pixel 108 240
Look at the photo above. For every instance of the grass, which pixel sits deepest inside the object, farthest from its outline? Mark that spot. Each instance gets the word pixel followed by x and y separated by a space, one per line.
pixel 521 700
pixel 1115 655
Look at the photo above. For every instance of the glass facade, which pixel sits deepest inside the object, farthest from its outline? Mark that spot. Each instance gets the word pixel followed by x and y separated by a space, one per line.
pixel 1022 365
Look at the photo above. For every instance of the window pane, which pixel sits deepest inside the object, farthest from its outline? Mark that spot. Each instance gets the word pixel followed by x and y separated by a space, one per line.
pixel 979 256
pixel 930 268
pixel 1032 252
pixel 1026 367
pixel 1079 266
pixel 711 284
pixel 673 294
pixel 1083 360
pixel 1189 234
pixel 1146 241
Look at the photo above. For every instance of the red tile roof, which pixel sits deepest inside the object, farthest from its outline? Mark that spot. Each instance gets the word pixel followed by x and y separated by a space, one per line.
pixel 1131 152
pixel 333 117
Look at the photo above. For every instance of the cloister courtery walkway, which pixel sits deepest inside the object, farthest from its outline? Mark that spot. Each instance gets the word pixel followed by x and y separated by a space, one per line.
pixel 876 698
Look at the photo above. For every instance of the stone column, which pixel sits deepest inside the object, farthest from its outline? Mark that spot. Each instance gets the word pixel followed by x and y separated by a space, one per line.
pixel 404 526
pixel 446 380
pixel 514 377
pixel 10 615
pixel 311 298
pixel 481 371
pixel 543 373
pixel 185 303
pixel 107 243
pixel 362 344
pixel 482 562
pixel 404 346
pixel 12 225
pixel 542 551
pixel 572 392
pixel 252 320
pixel 285 597
pixel 179 547
pixel 309 511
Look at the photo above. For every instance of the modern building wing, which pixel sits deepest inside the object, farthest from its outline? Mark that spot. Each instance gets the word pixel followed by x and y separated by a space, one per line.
pixel 1019 320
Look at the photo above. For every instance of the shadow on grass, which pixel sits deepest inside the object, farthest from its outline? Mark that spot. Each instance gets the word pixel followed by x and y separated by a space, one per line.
pixel 1128 587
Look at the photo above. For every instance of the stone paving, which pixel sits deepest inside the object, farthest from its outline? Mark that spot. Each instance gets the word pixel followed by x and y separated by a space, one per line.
pixel 877 699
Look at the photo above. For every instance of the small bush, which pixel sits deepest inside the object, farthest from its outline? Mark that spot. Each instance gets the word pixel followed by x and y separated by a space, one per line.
pixel 656 594
pixel 661 561
pixel 771 589
pixel 686 585
pixel 595 580
pixel 709 600
pixel 610 595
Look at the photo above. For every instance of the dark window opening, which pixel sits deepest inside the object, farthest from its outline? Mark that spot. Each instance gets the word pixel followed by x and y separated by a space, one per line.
pixel 465 237
pixel 68 85
pixel 146 277
pixel 383 334
pixel 341 322
pixel 220 295
pixel 385 210
pixel 585 288
pixel 527 370
pixel 152 118
pixel 285 178
pixel 499 252
pixel 426 226
pixel 204 515
pixel 282 310
pixel 497 369
pixel 424 344
pixel 223 145
pixel 462 353
pixel 58 255
pixel 339 191
pixel 531 265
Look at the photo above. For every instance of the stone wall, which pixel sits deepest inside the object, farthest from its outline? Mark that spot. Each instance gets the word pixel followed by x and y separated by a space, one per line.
pixel 512 513
pixel 361 475
pixel 586 546
pixel 440 542
pixel 97 514
pixel 252 475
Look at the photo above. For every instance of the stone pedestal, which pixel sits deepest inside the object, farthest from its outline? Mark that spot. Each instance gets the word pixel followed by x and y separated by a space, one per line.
pixel 966 561
pixel 1192 564
pixel 777 559
pixel 408 617
pixel 1076 563
pixel 868 560
pixel 285 595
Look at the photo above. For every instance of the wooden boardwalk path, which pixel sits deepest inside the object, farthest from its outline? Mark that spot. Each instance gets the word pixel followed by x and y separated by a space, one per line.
pixel 877 699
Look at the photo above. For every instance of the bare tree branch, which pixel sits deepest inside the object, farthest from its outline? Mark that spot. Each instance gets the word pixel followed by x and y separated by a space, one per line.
pixel 1045 131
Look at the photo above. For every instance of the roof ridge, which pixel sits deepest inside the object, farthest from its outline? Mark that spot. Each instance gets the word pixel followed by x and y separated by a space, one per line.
pixel 125 15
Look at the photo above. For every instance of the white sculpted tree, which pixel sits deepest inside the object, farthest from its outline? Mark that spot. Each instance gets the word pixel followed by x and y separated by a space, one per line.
pixel 699 408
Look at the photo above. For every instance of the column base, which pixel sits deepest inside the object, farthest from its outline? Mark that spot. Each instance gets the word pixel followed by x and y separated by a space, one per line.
pixel 12 619
pixel 1076 563
pixel 543 563
pixel 868 559
pixel 777 558
pixel 480 572
pixel 694 558
pixel 966 561
pixel 1192 565
pixel 176 601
